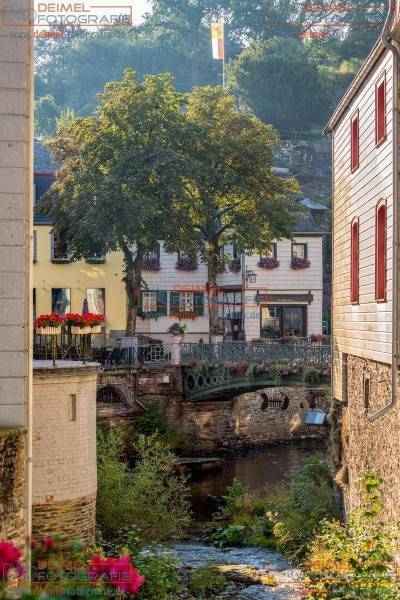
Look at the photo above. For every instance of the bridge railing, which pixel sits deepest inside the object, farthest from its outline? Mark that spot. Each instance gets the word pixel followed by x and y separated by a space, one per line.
pixel 313 355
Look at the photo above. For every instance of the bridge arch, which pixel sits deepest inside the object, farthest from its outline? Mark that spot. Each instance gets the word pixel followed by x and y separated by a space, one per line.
pixel 111 394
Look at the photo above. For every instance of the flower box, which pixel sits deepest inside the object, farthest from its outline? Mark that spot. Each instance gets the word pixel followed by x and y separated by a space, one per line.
pixel 75 330
pixel 186 264
pixel 151 264
pixel 48 330
pixel 95 329
pixel 234 266
pixel 268 263
pixel 300 263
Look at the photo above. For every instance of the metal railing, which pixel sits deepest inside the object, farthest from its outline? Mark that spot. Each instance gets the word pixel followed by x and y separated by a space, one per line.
pixel 294 355
pixel 132 356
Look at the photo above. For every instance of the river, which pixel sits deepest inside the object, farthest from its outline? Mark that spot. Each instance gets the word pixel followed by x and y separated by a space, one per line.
pixel 262 467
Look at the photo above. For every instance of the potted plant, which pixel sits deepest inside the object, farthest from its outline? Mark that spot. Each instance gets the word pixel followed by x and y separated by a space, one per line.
pixel 311 375
pixel 316 338
pixel 94 322
pixel 268 263
pixel 77 322
pixel 48 324
pixel 217 334
pixel 177 330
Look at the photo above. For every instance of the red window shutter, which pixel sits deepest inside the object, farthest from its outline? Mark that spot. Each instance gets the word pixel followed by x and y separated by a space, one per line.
pixel 355 136
pixel 380 253
pixel 355 262
pixel 380 111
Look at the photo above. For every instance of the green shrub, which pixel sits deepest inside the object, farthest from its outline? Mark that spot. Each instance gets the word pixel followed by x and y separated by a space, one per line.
pixel 115 482
pixel 301 505
pixel 232 535
pixel 151 421
pixel 160 496
pixel 153 501
pixel 160 573
pixel 355 560
pixel 206 583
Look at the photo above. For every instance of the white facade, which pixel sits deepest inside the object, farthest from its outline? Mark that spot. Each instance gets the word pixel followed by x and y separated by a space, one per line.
pixel 362 328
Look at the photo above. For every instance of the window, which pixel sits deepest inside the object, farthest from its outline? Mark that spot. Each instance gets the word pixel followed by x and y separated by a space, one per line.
pixel 149 302
pixel 72 408
pixel 272 253
pixel 355 136
pixel 97 258
pixel 153 254
pixel 277 321
pixel 61 301
pixel 380 252
pixel 299 250
pixel 380 110
pixel 186 302
pixel 59 249
pixel 34 246
pixel 96 298
pixel 355 260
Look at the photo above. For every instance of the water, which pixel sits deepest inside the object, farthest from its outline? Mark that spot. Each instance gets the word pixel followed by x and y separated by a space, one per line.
pixel 265 467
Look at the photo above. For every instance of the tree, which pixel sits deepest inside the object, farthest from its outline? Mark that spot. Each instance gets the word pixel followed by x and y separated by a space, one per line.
pixel 235 197
pixel 279 82
pixel 121 169
pixel 46 114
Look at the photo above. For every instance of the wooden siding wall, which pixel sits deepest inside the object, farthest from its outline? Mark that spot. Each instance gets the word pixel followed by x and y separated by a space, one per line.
pixel 365 329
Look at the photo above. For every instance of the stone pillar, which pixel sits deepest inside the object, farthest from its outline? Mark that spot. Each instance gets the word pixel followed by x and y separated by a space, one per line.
pixel 64 450
pixel 16 185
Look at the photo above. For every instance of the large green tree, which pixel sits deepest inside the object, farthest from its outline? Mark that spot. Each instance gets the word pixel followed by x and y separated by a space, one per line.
pixel 279 81
pixel 121 170
pixel 234 195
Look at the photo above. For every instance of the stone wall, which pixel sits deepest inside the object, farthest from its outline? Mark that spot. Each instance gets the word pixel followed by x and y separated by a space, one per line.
pixel 64 449
pixel 12 460
pixel 371 446
pixel 243 421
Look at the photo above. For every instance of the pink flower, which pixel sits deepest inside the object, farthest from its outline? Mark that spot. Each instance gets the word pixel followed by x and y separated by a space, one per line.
pixel 118 571
pixel 10 560
pixel 49 543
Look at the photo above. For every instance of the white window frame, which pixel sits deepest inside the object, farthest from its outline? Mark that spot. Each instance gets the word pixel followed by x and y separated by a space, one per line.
pixel 149 302
pixel 186 302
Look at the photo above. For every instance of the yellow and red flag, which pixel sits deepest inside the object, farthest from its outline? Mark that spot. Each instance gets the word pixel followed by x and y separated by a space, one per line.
pixel 217 38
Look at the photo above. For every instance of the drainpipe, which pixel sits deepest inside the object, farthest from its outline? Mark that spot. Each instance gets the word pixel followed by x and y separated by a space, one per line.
pixel 393 46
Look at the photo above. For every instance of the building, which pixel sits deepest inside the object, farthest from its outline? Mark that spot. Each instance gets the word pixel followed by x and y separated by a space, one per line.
pixel 365 129
pixel 16 178
pixel 282 299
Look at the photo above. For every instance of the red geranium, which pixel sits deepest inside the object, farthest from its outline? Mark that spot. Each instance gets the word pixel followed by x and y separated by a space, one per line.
pixel 10 560
pixel 93 320
pixel 75 319
pixel 116 571
pixel 52 320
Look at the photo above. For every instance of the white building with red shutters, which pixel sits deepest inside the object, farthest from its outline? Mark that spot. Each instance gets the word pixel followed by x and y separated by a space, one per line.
pixel 365 148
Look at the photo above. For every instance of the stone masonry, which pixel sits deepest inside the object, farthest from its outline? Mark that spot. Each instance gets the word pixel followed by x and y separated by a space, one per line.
pixel 12 459
pixel 64 450
pixel 243 421
pixel 371 446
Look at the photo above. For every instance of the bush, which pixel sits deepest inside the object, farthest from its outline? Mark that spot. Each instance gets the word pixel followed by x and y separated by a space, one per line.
pixel 115 483
pixel 160 496
pixel 152 502
pixel 160 573
pixel 206 583
pixel 151 421
pixel 299 508
pixel 355 560
pixel 233 535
